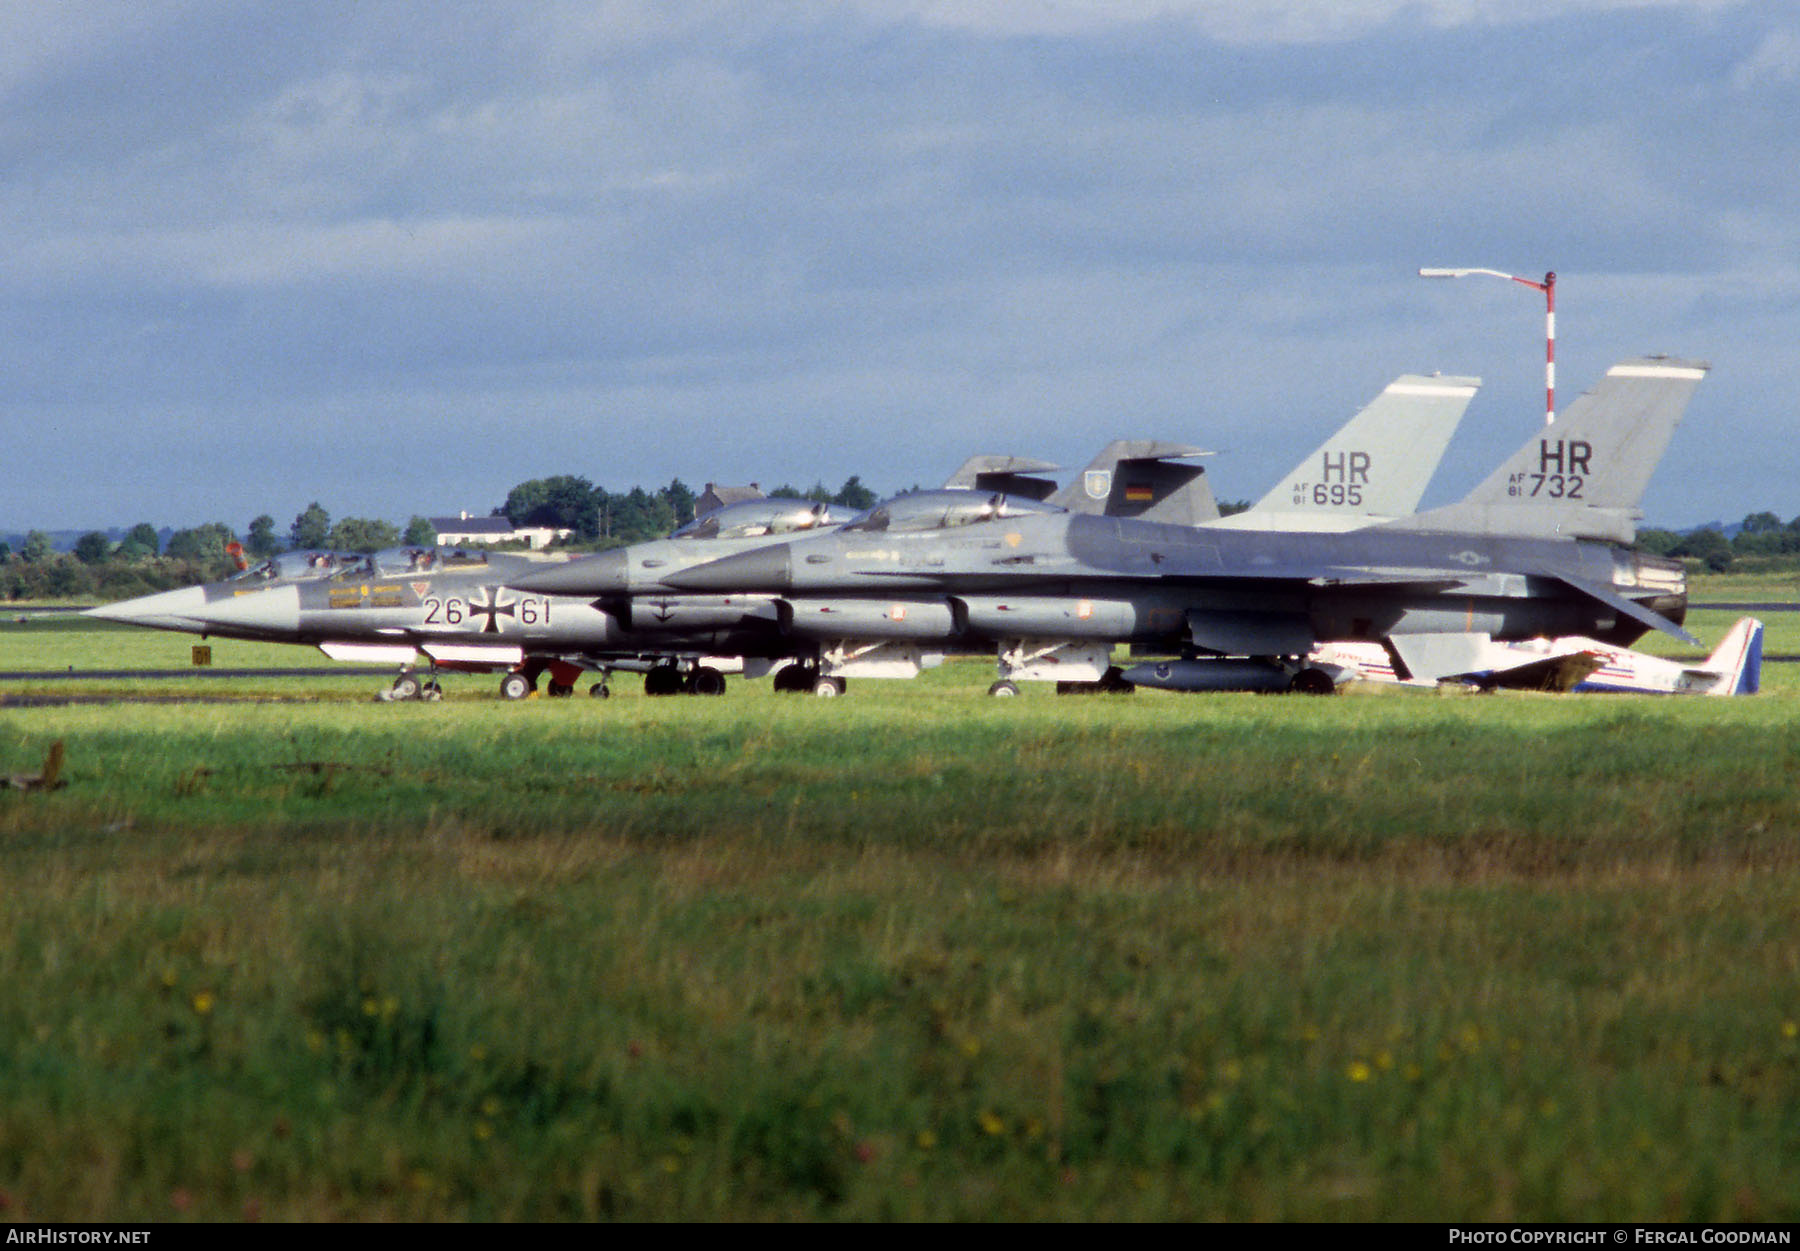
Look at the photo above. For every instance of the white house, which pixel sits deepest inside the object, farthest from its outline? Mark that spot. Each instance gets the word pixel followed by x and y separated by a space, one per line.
pixel 464 529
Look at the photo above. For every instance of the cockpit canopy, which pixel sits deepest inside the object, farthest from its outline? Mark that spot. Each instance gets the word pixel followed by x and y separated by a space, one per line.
pixel 300 566
pixel 393 562
pixel 750 519
pixel 945 510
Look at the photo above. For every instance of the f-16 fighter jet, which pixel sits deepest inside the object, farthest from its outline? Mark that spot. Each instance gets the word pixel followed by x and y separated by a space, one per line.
pixel 1373 469
pixel 1536 550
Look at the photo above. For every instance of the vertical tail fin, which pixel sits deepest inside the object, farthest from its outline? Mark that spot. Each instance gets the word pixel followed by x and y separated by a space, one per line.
pixel 1737 661
pixel 1583 477
pixel 1009 475
pixel 1142 478
pixel 1375 468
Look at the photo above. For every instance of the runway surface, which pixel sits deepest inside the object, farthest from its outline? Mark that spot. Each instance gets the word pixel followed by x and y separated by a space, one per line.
pixel 52 675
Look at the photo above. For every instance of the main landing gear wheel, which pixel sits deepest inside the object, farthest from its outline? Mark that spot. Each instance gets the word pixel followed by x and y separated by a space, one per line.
pixel 431 692
pixel 560 690
pixel 663 680
pixel 1313 682
pixel 515 686
pixel 706 681
pixel 406 686
pixel 828 688
pixel 598 691
pixel 1003 689
pixel 795 679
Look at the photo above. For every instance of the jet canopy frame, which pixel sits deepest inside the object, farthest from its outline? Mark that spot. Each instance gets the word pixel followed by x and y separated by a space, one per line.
pixel 751 519
pixel 924 511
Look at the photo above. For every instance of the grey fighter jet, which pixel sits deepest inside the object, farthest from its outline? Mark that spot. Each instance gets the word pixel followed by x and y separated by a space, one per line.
pixel 631 584
pixel 1375 467
pixel 1534 550
pixel 447 608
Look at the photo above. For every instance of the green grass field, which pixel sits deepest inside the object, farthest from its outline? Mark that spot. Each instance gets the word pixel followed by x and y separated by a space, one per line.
pixel 913 953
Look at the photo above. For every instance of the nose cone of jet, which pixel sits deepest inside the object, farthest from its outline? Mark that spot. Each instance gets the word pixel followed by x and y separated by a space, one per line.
pixel 605 574
pixel 181 609
pixel 269 613
pixel 763 569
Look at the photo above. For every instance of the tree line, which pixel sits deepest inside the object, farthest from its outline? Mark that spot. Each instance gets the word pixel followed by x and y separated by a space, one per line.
pixel 141 563
pixel 1761 534
pixel 600 518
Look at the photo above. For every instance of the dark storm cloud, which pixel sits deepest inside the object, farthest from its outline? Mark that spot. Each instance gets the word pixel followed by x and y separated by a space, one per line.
pixel 636 241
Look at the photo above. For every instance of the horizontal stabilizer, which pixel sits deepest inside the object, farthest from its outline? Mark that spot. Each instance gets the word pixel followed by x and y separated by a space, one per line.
pixel 1618 603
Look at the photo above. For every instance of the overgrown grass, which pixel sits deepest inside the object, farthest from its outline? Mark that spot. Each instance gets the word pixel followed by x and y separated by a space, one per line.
pixel 909 954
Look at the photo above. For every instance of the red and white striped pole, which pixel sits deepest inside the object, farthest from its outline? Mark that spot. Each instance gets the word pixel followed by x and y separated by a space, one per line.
pixel 1548 287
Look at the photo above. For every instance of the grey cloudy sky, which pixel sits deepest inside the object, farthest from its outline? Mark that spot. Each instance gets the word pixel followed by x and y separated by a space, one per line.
pixel 397 257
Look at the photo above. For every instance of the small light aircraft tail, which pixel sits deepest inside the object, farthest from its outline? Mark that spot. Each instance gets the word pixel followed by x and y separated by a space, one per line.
pixel 1735 666
pixel 1375 468
pixel 1145 479
pixel 1583 477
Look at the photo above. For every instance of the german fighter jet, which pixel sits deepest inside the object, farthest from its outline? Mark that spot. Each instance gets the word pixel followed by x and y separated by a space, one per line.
pixel 447 608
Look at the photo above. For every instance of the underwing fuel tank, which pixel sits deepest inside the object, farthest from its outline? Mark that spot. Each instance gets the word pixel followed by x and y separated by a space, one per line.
pixel 1228 675
pixel 880 619
pixel 1054 616
pixel 677 613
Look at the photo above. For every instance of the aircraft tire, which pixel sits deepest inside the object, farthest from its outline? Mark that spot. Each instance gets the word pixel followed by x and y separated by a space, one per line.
pixel 663 680
pixel 406 686
pixel 599 691
pixel 828 688
pixel 515 686
pixel 560 690
pixel 431 693
pixel 1313 682
pixel 1003 689
pixel 794 679
pixel 706 681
